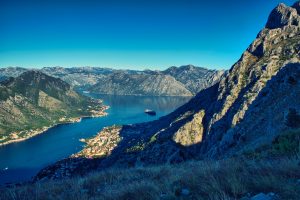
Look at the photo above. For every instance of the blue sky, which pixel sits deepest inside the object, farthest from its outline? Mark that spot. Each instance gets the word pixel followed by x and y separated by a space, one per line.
pixel 132 34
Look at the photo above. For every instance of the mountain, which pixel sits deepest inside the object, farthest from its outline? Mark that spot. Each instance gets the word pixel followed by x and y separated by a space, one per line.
pixel 154 84
pixel 175 81
pixel 78 77
pixel 33 101
pixel 6 73
pixel 81 77
pixel 247 110
pixel 195 78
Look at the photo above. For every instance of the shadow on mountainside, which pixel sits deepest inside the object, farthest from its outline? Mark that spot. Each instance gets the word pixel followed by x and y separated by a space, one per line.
pixel 153 141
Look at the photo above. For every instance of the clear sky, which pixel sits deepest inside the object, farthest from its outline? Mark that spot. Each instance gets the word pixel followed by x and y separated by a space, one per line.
pixel 134 34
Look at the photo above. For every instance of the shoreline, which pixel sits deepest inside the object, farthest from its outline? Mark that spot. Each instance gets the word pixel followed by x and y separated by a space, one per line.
pixel 33 133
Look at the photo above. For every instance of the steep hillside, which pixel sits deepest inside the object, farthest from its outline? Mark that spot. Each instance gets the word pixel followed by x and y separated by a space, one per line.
pixel 256 101
pixel 34 101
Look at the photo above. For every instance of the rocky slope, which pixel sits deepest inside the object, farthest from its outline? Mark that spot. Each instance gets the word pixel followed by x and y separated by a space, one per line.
pixel 33 101
pixel 257 100
pixel 195 78
pixel 175 81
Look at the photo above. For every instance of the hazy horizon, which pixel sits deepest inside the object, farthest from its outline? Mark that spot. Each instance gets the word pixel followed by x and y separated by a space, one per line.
pixel 103 67
pixel 129 35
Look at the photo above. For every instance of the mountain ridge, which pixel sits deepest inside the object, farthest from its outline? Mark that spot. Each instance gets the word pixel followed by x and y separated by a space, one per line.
pixel 186 80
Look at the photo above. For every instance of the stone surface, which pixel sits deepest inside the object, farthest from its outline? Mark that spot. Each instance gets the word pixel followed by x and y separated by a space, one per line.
pixel 283 15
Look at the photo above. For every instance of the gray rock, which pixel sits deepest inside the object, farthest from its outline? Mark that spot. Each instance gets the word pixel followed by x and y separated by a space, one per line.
pixel 283 15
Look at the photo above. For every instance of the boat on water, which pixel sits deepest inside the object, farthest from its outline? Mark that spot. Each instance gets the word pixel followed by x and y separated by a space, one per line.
pixel 150 112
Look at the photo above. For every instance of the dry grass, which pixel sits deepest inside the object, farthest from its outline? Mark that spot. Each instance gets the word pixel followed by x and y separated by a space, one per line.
pixel 226 179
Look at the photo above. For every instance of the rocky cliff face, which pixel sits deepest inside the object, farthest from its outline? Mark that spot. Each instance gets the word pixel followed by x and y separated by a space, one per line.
pixel 257 100
pixel 34 101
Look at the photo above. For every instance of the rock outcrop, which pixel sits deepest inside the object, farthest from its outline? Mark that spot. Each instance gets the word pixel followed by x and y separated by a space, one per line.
pixel 283 15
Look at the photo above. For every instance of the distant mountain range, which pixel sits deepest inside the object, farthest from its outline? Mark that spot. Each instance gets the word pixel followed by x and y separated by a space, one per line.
pixel 175 81
pixel 252 105
pixel 33 101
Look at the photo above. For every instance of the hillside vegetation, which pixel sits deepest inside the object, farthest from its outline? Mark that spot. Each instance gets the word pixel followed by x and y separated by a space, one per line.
pixel 222 180
pixel 33 101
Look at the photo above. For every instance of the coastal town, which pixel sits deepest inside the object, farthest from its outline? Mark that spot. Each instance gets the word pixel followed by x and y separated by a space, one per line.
pixel 99 110
pixel 22 135
pixel 102 144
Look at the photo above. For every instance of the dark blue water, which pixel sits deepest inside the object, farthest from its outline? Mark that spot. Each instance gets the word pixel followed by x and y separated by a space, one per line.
pixel 25 159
